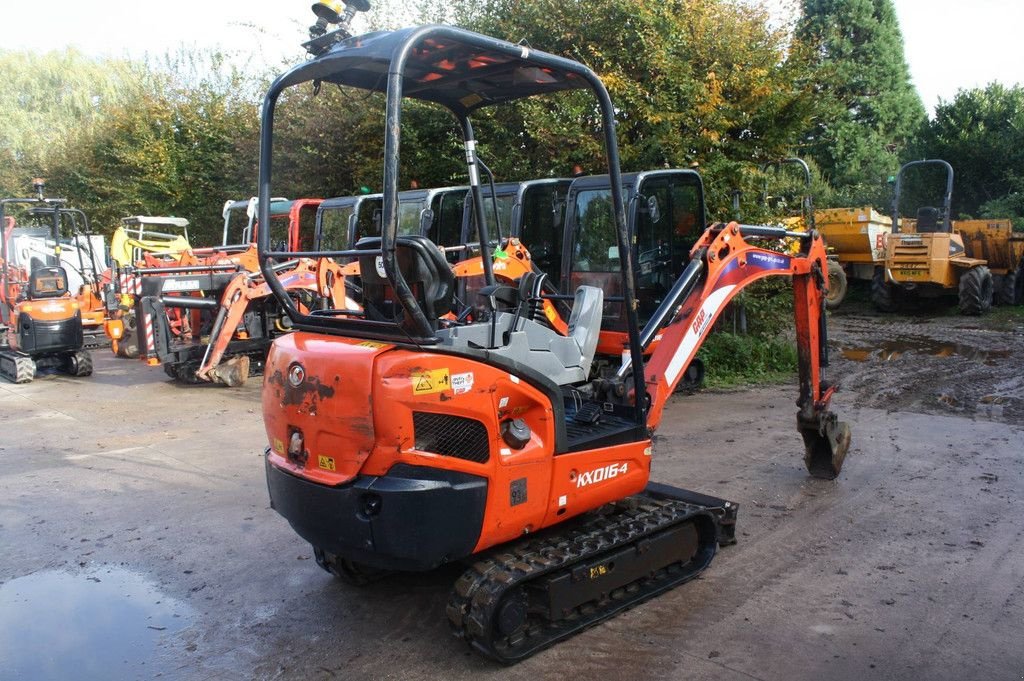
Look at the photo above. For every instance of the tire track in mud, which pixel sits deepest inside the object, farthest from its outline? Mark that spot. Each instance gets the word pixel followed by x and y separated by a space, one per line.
pixel 945 365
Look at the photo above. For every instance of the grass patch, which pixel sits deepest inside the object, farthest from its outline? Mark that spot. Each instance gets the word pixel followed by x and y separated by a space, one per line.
pixel 1004 317
pixel 732 360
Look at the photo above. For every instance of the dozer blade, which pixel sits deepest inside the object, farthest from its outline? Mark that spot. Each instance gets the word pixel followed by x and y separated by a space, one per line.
pixel 826 441
pixel 233 373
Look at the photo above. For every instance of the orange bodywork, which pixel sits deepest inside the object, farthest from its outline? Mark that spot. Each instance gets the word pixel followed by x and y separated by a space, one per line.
pixel 732 264
pixel 358 430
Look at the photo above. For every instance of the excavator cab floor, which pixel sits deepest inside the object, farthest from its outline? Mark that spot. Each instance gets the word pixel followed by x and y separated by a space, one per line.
pixel 590 425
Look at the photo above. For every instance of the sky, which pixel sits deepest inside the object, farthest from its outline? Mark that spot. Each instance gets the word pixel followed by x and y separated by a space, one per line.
pixel 950 44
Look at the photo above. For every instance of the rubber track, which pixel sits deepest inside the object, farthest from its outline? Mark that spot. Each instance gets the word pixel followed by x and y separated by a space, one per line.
pixel 478 593
pixel 17 368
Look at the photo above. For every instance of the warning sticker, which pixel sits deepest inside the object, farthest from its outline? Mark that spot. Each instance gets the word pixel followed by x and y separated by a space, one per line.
pixel 371 344
pixel 431 381
pixel 462 383
pixel 326 462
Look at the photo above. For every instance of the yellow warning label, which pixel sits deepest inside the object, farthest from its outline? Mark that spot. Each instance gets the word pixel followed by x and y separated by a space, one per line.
pixel 278 446
pixel 371 344
pixel 430 381
pixel 326 462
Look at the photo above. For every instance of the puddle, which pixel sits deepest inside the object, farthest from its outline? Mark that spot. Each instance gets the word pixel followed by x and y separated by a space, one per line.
pixel 102 625
pixel 886 351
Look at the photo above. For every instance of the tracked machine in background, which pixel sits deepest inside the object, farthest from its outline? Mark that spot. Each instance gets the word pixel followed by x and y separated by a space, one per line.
pixel 83 255
pixel 229 316
pixel 40 321
pixel 402 439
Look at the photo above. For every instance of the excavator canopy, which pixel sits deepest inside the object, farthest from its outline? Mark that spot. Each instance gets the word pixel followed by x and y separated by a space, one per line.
pixel 441 67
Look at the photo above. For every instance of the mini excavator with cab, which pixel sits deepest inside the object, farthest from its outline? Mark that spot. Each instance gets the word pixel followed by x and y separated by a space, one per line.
pixel 40 321
pixel 402 439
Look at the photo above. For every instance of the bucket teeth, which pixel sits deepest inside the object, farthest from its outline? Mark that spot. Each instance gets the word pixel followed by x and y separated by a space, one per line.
pixel 826 442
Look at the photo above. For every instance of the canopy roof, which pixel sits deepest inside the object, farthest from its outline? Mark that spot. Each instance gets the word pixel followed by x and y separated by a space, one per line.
pixel 458 69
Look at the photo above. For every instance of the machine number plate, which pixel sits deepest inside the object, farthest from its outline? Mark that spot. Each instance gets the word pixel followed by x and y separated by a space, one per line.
pixel 326 462
pixel 430 381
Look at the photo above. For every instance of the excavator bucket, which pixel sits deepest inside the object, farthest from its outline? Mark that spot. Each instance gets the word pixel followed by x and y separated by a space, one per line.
pixel 826 441
pixel 233 373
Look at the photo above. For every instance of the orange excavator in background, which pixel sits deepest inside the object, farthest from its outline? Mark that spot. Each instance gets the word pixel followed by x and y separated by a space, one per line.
pixel 230 313
pixel 402 437
pixel 40 320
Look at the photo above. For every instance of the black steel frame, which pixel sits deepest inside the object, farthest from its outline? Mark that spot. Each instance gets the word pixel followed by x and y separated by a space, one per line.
pixel 364 328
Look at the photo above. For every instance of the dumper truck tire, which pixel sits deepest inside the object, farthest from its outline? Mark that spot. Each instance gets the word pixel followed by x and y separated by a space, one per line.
pixel 976 291
pixel 882 294
pixel 836 285
pixel 1018 295
pixel 1007 289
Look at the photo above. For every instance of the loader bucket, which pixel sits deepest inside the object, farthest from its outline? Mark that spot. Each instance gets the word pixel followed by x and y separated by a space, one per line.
pixel 826 441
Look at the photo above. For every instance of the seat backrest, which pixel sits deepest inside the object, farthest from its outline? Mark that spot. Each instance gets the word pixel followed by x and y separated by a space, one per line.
pixel 425 270
pixel 928 219
pixel 585 321
pixel 47 282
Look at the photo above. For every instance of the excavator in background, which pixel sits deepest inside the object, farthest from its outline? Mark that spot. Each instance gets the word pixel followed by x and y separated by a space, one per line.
pixel 140 241
pixel 83 255
pixel 229 316
pixel 402 439
pixel 40 321
pixel 239 217
pixel 926 257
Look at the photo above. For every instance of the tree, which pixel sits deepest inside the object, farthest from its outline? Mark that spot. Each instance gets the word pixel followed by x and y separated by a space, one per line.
pixel 981 133
pixel 46 102
pixel 871 109
pixel 173 148
pixel 696 82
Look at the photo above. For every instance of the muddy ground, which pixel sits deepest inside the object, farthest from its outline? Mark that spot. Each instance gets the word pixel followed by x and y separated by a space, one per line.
pixel 137 541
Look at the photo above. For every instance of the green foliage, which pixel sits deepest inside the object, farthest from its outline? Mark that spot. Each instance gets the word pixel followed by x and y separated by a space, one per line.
pixel 46 102
pixel 732 359
pixel 871 111
pixel 179 145
pixel 696 82
pixel 981 133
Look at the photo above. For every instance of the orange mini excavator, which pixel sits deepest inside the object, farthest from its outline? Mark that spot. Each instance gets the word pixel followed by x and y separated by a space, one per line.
pixel 402 439
pixel 40 321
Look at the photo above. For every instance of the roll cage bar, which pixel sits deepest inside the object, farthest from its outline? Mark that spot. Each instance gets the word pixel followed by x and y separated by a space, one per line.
pixel 807 201
pixel 38 201
pixel 947 198
pixel 461 71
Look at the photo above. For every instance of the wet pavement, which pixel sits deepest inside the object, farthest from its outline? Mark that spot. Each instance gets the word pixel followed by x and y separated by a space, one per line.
pixel 907 567
pixel 101 624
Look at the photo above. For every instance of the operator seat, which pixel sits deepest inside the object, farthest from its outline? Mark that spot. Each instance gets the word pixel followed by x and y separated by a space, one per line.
pixel 928 220
pixel 520 338
pixel 425 270
pixel 47 282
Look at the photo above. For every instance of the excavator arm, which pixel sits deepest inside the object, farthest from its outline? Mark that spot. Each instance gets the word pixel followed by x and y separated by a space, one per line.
pixel 723 263
pixel 324 278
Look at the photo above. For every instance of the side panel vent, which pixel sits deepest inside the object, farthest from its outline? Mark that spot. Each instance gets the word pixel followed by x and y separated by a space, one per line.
pixel 454 436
